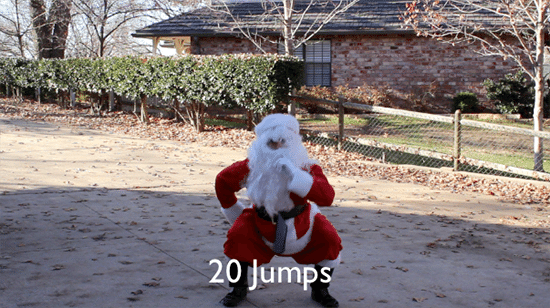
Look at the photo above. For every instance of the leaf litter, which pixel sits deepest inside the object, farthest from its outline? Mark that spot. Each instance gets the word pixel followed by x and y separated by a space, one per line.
pixel 333 161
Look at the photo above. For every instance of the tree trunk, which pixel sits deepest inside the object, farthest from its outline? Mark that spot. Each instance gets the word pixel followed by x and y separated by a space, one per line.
pixel 38 95
pixel 287 32
pixel 112 105
pixel 539 94
pixel 250 120
pixel 538 147
pixel 41 27
pixel 144 118
pixel 61 13
pixel 21 44
pixel 195 112
pixel 177 114
pixel 18 94
pixel 201 118
pixel 72 96
pixel 51 27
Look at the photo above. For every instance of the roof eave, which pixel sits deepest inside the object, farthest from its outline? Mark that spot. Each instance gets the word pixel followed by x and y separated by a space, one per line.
pixel 151 34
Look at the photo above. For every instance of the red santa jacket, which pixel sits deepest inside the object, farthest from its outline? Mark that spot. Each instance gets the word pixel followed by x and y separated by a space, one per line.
pixel 233 178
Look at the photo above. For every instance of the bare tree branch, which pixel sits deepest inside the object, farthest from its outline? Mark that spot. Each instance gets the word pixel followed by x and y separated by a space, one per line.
pixel 294 21
pixel 16 27
pixel 104 19
pixel 512 29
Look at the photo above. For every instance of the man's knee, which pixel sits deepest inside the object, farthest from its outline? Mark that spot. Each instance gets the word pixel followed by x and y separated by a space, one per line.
pixel 325 231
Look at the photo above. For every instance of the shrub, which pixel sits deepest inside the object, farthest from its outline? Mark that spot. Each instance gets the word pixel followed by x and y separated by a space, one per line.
pixel 467 102
pixel 361 95
pixel 257 83
pixel 512 94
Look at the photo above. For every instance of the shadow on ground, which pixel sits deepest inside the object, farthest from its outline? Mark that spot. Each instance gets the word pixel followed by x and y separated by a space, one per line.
pixel 141 248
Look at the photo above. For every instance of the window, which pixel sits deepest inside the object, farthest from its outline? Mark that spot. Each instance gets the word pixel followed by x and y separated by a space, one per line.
pixel 317 57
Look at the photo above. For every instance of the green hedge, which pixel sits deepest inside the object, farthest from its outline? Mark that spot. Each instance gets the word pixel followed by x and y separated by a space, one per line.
pixel 515 93
pixel 257 83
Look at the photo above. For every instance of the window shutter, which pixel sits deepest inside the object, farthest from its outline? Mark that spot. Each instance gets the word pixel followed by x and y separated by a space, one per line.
pixel 317 55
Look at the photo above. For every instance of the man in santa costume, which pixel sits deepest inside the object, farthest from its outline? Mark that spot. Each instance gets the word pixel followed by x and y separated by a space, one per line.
pixel 281 180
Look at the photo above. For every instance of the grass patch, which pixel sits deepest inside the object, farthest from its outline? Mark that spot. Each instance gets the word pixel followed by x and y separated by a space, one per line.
pixel 503 148
pixel 333 120
pixel 518 160
pixel 224 123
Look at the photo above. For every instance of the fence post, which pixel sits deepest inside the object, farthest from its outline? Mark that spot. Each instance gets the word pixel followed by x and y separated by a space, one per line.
pixel 340 122
pixel 457 141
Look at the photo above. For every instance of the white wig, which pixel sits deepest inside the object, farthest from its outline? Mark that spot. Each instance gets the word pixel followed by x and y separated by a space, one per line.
pixel 266 183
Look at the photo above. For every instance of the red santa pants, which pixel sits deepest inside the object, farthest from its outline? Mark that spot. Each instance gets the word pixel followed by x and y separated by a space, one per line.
pixel 244 240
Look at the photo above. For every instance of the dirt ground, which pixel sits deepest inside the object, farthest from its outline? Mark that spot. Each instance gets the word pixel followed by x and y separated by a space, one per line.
pixel 98 219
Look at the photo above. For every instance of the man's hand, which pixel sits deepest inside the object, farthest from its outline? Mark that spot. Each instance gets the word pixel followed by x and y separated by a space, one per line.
pixel 287 166
pixel 300 182
pixel 233 212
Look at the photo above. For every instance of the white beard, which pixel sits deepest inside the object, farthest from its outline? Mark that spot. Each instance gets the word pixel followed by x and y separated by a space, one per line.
pixel 267 183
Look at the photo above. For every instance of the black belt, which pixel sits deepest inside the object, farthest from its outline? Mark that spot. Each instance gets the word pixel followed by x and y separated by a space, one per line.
pixel 281 229
pixel 296 210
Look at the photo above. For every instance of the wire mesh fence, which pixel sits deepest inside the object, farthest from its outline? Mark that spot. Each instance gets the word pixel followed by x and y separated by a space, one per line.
pixel 411 138
pixel 490 147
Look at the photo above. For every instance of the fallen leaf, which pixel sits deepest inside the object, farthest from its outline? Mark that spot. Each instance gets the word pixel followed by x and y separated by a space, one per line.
pixel 99 237
pixel 333 161
pixel 151 284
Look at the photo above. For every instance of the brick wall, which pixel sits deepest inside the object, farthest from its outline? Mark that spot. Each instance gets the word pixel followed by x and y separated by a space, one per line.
pixel 408 63
pixel 222 45
pixel 403 63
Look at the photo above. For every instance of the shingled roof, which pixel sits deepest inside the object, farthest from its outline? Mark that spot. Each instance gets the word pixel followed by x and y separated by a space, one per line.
pixel 366 16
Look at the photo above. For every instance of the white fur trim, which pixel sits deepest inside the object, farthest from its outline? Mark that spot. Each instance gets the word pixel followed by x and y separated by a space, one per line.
pixel 233 212
pixel 277 119
pixel 301 183
pixel 293 244
pixel 330 263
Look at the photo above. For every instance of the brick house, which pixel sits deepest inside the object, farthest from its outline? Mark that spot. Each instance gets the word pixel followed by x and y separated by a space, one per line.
pixel 366 45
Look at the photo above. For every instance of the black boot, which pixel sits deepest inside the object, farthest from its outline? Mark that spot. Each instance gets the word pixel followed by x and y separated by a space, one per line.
pixel 319 289
pixel 240 287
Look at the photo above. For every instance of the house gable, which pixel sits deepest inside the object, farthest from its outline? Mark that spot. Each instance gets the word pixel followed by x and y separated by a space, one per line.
pixel 369 46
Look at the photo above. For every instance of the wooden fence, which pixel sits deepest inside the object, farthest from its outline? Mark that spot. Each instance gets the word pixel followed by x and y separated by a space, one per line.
pixel 456 121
